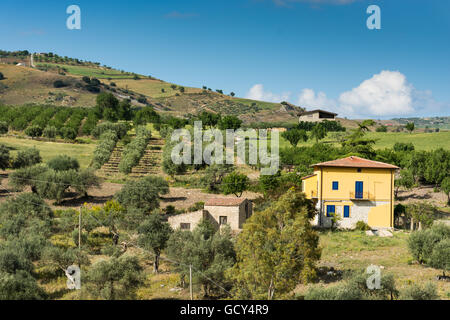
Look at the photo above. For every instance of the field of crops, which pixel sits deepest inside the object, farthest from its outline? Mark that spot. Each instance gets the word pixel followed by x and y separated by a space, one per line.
pixel 100 73
pixel 80 120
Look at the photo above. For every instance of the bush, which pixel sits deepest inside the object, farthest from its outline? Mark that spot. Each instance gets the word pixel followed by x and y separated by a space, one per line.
pixel 102 153
pixel 34 131
pixel 143 194
pixel 3 127
pixel 381 129
pixel 422 243
pixel 362 226
pixel 63 163
pixel 59 84
pixel 417 292
pixel 2 76
pixel 27 158
pixel 4 157
pixel 440 257
pixel 134 151
pixel 68 133
pixel 402 146
pixel 120 129
pixel 50 132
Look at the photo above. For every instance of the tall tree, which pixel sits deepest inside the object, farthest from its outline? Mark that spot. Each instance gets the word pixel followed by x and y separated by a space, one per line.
pixel 235 183
pixel 277 249
pixel 153 236
pixel 294 136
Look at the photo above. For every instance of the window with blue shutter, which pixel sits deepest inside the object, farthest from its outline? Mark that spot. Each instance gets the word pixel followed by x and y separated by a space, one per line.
pixel 346 211
pixel 335 185
pixel 331 210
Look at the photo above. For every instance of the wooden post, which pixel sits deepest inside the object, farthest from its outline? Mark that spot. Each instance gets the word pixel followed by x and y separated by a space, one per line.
pixel 190 282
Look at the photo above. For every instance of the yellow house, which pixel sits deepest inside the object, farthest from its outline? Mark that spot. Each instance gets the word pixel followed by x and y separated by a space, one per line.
pixel 353 189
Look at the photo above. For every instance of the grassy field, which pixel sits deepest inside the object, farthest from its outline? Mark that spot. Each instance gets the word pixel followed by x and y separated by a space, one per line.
pixel 353 250
pixel 82 152
pixel 152 88
pixel 100 73
pixel 421 141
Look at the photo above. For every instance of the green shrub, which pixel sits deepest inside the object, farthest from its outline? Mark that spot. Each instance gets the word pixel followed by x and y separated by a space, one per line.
pixel 102 152
pixel 440 257
pixel 421 243
pixel 59 84
pixel 34 131
pixel 63 163
pixel 3 127
pixel 362 226
pixel 4 157
pixel 68 133
pixel 50 132
pixel 418 292
pixel 120 129
pixel 134 151
pixel 26 158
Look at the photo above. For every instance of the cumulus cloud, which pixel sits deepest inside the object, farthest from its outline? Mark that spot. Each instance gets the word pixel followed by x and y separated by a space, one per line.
pixel 386 93
pixel 257 92
pixel 309 99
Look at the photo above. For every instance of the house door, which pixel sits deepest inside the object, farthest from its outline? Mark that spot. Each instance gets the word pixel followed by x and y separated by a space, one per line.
pixel 359 187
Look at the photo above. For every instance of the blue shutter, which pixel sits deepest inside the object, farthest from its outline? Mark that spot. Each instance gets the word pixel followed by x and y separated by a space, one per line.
pixel 359 187
pixel 330 210
pixel 346 211
pixel 335 185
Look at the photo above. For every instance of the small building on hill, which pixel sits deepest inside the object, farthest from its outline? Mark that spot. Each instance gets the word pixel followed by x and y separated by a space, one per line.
pixel 317 116
pixel 220 211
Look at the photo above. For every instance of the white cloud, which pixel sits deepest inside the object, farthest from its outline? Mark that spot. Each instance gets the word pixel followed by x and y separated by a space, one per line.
pixel 309 99
pixel 386 93
pixel 257 93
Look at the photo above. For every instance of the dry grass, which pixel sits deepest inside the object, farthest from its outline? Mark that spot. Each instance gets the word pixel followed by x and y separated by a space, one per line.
pixel 353 251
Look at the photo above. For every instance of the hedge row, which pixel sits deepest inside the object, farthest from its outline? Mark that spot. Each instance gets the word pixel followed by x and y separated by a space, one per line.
pixel 134 151
pixel 102 153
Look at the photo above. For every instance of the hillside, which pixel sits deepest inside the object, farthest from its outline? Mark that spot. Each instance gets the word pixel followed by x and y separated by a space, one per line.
pixel 23 84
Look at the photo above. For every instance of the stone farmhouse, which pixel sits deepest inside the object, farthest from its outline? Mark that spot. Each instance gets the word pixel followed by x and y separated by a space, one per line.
pixel 317 116
pixel 220 211
pixel 352 189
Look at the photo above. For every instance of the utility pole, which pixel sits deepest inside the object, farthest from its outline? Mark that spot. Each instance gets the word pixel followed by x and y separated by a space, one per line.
pixel 79 245
pixel 79 230
pixel 190 281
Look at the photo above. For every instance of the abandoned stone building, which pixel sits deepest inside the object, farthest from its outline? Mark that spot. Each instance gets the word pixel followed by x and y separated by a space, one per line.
pixel 220 211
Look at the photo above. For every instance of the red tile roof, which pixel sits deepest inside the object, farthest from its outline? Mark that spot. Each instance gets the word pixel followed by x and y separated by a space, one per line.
pixel 225 202
pixel 355 162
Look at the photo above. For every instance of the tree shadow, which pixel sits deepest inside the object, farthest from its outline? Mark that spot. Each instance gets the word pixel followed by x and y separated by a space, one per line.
pixel 329 274
pixel 79 201
pixel 173 199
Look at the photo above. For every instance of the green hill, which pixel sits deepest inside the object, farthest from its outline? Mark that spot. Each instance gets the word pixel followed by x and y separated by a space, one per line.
pixel 23 84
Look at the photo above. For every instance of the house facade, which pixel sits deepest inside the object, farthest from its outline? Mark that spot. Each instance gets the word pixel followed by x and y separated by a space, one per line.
pixel 317 116
pixel 219 211
pixel 352 189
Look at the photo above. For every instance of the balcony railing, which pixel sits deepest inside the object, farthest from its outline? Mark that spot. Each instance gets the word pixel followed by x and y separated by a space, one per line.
pixel 361 196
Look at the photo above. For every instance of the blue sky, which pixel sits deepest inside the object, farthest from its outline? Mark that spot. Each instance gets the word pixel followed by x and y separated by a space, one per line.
pixel 316 53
